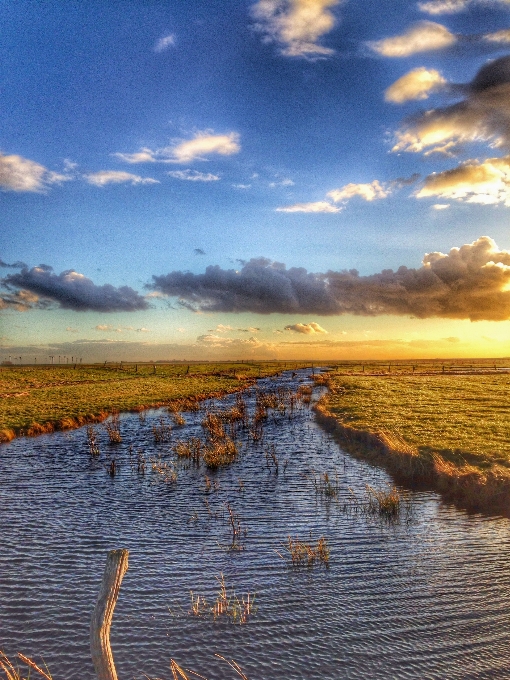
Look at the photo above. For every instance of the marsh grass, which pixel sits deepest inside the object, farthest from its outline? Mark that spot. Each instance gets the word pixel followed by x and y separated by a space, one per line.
pixel 162 432
pixel 226 604
pixel 308 554
pixel 191 448
pixel 112 427
pixel 92 441
pixel 37 400
pixel 14 673
pixel 384 502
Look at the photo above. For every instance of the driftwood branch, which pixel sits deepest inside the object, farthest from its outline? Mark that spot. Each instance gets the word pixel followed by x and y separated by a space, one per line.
pixel 102 657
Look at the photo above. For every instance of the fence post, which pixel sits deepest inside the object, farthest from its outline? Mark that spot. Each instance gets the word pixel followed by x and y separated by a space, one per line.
pixel 102 657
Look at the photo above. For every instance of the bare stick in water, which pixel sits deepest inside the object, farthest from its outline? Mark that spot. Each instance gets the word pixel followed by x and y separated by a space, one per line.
pixel 102 657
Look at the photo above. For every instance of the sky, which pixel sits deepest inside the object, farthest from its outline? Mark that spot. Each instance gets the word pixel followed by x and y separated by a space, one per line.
pixel 267 179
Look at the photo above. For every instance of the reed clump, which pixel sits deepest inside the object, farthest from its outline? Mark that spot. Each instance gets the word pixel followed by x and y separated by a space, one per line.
pixel 308 554
pixel 384 502
pixel 112 427
pixel 92 441
pixel 227 604
pixel 13 672
pixel 190 448
pixel 162 432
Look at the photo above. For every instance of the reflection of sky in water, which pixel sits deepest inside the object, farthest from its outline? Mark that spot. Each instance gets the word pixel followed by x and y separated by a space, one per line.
pixel 424 598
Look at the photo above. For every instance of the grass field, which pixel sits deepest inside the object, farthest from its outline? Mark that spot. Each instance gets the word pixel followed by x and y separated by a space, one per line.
pixel 449 429
pixel 39 399
pixel 466 415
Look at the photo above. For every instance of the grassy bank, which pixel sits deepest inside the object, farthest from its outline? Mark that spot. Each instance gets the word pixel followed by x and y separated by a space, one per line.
pixel 42 399
pixel 449 430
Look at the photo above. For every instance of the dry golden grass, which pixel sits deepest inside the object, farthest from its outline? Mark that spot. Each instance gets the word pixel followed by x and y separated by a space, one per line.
pixel 15 673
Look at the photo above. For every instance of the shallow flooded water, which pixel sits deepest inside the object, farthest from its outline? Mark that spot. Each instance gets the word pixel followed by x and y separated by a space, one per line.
pixel 423 597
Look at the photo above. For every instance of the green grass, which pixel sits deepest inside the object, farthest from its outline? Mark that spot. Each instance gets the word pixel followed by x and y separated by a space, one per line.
pixel 463 417
pixel 51 394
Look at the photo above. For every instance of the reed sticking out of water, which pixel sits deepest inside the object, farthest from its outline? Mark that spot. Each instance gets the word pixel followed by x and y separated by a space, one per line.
pixel 271 457
pixel 113 429
pixel 226 604
pixel 189 448
pixel 179 673
pixel 326 486
pixel 302 553
pixel 162 432
pixel 92 441
pixel 14 673
pixel 385 502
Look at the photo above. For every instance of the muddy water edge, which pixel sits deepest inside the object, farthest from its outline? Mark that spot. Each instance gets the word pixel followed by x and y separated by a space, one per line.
pixel 422 594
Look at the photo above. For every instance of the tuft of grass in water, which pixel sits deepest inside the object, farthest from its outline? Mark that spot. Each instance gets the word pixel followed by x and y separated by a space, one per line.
pixel 112 427
pixel 308 554
pixel 92 441
pixel 227 604
pixel 326 485
pixel 162 432
pixel 385 502
pixel 14 673
pixel 190 448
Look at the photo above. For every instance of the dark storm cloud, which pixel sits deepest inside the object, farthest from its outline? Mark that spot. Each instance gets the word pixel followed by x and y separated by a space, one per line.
pixel 470 282
pixel 482 115
pixel 72 290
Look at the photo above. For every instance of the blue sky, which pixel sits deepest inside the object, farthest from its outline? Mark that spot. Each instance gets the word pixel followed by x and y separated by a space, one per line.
pixel 144 140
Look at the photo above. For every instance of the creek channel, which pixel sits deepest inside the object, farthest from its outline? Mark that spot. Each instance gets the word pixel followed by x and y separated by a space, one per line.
pixel 422 596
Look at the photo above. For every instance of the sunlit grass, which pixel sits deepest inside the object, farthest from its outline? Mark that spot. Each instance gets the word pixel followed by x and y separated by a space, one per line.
pixel 464 416
pixel 39 399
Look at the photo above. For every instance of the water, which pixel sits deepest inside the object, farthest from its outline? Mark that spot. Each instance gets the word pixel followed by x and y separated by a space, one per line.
pixel 426 597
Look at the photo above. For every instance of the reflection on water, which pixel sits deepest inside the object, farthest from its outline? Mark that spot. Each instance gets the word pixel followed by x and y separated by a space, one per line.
pixel 423 598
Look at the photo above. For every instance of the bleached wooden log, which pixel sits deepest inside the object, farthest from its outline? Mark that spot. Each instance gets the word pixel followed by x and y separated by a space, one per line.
pixel 101 621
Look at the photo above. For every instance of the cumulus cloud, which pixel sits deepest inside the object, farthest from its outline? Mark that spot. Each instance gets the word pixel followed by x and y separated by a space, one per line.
pixel 486 182
pixel 424 36
pixel 415 85
pixel 306 328
pixel 22 174
pixel 193 175
pixel 72 290
pixel 318 206
pixel 470 282
pixel 369 192
pixel 103 327
pixel 483 115
pixel 104 177
pixel 203 144
pixel 164 43
pixel 296 25
pixel 441 206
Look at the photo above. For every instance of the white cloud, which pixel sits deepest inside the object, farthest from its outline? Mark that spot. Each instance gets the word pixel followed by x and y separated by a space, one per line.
pixel 145 155
pixel 193 175
pixel 103 327
pixel 318 206
pixel 142 330
pixel 415 85
pixel 103 177
pixel 306 328
pixel 220 328
pixel 283 183
pixel 369 192
pixel 453 6
pixel 203 144
pixel 241 186
pixel 443 6
pixel 164 43
pixel 296 25
pixel 441 206
pixel 486 182
pixel 424 36
pixel 499 36
pixel 22 174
